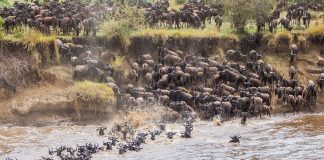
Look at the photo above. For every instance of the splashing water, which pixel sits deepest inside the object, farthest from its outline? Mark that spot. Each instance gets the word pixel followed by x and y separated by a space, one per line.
pixel 296 136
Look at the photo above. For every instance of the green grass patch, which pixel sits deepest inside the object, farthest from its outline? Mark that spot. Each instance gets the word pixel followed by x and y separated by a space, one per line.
pixel 94 91
pixel 92 100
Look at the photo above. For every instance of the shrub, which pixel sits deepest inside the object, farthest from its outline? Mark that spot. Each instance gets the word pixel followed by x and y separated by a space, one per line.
pixel 119 27
pixel 4 3
pixel 115 29
pixel 240 11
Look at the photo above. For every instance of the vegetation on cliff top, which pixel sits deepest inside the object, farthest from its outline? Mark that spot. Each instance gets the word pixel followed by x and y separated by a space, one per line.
pixel 176 33
pixel 315 30
pixel 92 91
pixel 92 99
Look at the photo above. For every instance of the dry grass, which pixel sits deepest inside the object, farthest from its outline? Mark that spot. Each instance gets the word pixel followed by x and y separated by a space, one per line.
pixel 174 4
pixel 278 62
pixel 28 36
pixel 31 38
pixel 119 61
pixel 177 33
pixel 302 43
pixel 283 37
pixel 315 31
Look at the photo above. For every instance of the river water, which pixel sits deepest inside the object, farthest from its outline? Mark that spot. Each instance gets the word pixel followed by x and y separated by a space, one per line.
pixel 293 136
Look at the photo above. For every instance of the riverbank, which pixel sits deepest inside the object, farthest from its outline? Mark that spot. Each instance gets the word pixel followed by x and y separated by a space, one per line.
pixel 50 77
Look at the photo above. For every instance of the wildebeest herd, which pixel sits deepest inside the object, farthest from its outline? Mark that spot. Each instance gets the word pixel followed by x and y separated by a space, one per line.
pixel 295 13
pixel 195 14
pixel 66 17
pixel 191 14
pixel 73 16
pixel 239 84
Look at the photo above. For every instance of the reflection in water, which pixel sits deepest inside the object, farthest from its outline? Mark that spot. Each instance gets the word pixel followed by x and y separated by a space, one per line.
pixel 289 137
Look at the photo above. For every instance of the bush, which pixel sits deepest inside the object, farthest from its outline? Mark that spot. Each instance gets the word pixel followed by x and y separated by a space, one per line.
pixel 240 11
pixel 4 3
pixel 119 26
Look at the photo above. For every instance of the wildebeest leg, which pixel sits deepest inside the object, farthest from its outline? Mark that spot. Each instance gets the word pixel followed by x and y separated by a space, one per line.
pixel 292 58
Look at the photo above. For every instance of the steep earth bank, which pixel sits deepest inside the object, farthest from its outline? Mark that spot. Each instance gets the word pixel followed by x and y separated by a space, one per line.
pixel 42 81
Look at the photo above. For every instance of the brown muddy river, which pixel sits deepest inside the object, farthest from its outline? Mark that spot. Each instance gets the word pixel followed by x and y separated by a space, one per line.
pixel 298 136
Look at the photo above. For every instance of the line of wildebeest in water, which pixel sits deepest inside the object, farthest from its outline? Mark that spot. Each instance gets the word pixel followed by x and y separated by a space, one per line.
pixel 85 152
pixel 74 16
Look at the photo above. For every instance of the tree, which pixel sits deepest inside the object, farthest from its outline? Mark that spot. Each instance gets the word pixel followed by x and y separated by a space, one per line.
pixel 240 11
